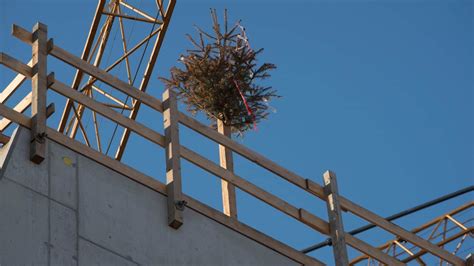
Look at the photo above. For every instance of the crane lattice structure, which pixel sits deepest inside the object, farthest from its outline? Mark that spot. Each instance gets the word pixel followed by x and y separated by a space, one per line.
pixel 126 18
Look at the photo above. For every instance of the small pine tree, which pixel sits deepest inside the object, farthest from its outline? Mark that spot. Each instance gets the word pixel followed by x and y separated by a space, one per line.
pixel 220 77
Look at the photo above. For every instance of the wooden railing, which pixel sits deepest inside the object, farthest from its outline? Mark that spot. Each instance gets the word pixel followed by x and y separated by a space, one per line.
pixel 36 70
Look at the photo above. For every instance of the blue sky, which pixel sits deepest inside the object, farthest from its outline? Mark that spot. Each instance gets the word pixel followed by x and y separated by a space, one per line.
pixel 381 92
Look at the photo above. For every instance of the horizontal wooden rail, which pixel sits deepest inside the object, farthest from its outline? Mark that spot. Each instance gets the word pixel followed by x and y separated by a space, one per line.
pixel 13 86
pixel 161 188
pixel 15 65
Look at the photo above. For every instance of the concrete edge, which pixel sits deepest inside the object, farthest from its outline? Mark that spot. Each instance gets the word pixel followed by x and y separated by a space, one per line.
pixel 9 150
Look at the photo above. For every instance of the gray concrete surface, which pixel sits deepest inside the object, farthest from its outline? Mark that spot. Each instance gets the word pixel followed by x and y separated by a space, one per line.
pixel 71 210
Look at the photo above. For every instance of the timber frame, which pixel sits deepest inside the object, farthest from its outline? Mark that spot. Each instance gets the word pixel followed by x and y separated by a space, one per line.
pixel 173 119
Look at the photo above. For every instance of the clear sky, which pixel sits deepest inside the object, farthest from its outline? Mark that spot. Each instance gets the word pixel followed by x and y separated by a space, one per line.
pixel 381 92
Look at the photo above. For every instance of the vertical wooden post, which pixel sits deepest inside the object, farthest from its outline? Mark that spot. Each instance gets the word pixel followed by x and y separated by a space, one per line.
pixel 335 219
pixel 39 85
pixel 227 162
pixel 173 164
pixel 470 260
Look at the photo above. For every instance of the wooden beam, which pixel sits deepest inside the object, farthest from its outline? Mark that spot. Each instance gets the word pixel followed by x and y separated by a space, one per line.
pixel 39 87
pixel 270 199
pixel 229 202
pixel 244 151
pixel 335 219
pixel 4 139
pixel 470 260
pixel 398 231
pixel 22 34
pixel 15 116
pixel 172 158
pixel 15 65
pixel 20 107
pixel 139 128
pixel 13 85
pixel 161 188
pixel 102 75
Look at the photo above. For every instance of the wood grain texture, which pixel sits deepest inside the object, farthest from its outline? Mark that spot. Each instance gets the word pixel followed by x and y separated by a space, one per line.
pixel 172 158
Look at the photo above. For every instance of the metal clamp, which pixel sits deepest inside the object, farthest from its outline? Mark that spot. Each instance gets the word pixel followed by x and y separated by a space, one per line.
pixel 180 204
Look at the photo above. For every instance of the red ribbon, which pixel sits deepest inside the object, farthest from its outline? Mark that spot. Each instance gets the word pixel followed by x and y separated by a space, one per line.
pixel 249 111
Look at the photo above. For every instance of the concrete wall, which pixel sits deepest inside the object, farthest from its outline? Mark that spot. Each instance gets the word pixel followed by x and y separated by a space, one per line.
pixel 69 210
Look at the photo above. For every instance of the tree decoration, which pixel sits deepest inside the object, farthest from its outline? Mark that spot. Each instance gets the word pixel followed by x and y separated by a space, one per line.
pixel 220 77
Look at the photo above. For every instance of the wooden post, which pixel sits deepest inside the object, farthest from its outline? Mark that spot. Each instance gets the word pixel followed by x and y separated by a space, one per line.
pixel 176 203
pixel 39 87
pixel 470 260
pixel 336 227
pixel 227 162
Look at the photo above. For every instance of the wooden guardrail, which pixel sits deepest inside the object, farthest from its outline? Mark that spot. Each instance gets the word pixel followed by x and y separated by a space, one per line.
pixel 174 152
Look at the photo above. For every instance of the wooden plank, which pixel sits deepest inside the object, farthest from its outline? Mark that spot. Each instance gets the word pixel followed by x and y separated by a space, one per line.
pixel 270 199
pixel 139 128
pixel 371 251
pixel 4 139
pixel 172 158
pixel 15 116
pixel 398 231
pixel 244 151
pixel 470 260
pixel 336 225
pixel 102 75
pixel 229 202
pixel 161 188
pixel 22 34
pixel 39 87
pixel 15 65
pixel 20 107
pixel 314 222
pixel 13 85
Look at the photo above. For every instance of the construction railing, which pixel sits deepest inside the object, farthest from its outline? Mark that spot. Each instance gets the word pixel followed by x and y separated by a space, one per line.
pixel 36 71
